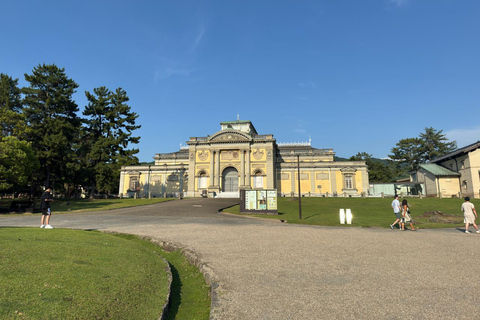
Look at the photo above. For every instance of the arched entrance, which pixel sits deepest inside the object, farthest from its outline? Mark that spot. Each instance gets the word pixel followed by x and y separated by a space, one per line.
pixel 230 180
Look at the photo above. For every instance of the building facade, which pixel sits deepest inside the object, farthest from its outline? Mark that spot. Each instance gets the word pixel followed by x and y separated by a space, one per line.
pixel 237 157
pixel 456 174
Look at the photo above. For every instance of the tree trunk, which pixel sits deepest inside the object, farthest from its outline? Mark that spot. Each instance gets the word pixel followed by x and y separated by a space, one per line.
pixel 92 190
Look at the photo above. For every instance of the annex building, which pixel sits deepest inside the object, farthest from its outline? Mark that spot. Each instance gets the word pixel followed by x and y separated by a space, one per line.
pixel 456 174
pixel 237 157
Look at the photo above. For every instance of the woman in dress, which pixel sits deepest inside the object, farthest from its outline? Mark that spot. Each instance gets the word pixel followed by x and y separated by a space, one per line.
pixel 406 216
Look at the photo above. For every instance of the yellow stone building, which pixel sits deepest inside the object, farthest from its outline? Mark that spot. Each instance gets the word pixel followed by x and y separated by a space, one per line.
pixel 237 157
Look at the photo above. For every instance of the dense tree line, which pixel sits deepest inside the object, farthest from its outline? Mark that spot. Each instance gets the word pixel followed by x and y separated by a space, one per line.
pixel 407 155
pixel 44 140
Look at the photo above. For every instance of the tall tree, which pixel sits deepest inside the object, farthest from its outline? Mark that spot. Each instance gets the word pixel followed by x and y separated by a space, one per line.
pixel 407 151
pixel 435 144
pixel 428 146
pixel 17 163
pixel 12 120
pixel 51 113
pixel 109 125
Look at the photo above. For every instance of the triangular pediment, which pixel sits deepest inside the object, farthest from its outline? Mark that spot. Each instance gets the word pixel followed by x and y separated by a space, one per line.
pixel 230 136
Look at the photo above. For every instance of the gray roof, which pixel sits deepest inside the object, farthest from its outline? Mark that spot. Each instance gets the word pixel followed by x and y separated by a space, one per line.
pixel 458 152
pixel 437 170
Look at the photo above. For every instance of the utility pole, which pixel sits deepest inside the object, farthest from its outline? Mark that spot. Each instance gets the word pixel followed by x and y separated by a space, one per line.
pixel 299 191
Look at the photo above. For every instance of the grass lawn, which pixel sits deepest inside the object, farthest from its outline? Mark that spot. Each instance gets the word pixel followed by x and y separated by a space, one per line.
pixel 189 296
pixel 84 205
pixel 367 212
pixel 72 274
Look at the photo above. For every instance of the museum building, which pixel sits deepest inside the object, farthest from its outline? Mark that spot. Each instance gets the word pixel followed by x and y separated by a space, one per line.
pixel 237 157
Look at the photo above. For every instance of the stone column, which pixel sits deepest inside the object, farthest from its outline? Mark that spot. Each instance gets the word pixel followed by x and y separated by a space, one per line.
pixel 270 168
pixel 242 168
pixel 217 168
pixel 192 179
pixel 248 178
pixel 211 168
pixel 333 180
pixel 164 187
pixel 313 187
pixel 122 182
pixel 293 183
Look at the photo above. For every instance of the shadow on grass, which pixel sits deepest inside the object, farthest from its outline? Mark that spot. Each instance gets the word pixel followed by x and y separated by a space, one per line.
pixel 311 216
pixel 175 294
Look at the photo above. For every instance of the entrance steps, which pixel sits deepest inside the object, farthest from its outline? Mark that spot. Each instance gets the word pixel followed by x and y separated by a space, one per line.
pixel 235 195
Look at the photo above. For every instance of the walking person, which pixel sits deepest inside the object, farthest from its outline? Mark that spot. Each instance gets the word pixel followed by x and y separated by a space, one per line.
pixel 469 214
pixel 396 210
pixel 406 216
pixel 45 206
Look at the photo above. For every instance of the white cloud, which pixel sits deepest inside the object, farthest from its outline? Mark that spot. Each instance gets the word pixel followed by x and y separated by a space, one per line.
pixel 464 137
pixel 309 84
pixel 181 61
pixel 399 3
pixel 198 39
pixel 167 68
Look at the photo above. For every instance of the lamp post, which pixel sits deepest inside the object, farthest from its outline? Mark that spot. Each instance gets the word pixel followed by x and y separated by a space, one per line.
pixel 299 191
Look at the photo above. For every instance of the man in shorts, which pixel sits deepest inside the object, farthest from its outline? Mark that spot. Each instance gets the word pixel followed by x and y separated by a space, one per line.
pixel 45 206
pixel 397 211
pixel 469 214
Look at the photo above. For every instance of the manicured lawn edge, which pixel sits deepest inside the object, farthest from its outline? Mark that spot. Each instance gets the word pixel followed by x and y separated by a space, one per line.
pixel 166 305
pixel 193 258
pixel 70 276
pixel 188 256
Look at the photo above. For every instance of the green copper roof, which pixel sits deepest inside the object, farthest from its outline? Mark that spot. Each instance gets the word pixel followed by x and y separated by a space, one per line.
pixel 437 170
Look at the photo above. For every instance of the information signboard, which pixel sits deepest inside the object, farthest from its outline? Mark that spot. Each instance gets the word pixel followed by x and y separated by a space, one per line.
pixel 258 201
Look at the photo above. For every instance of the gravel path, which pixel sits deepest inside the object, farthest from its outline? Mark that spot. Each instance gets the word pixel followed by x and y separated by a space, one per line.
pixel 270 270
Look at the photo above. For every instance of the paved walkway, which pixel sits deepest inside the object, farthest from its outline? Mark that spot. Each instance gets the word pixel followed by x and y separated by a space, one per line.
pixel 271 270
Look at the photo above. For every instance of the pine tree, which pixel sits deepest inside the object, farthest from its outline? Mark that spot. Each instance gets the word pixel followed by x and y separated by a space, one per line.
pixel 51 114
pixel 12 120
pixel 428 146
pixel 109 124
pixel 435 144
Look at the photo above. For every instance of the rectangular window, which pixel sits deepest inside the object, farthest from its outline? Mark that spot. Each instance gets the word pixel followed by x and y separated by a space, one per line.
pixel 348 182
pixel 303 176
pixel 322 176
pixel 258 182
pixel 202 183
pixel 134 183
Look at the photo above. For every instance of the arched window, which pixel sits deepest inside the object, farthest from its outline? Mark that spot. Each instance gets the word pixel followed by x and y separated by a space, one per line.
pixel 202 180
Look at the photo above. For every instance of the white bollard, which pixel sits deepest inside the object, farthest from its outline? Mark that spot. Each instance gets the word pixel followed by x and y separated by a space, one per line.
pixel 342 216
pixel 349 216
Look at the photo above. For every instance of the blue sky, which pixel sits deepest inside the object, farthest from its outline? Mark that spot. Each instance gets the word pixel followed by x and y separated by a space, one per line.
pixel 352 75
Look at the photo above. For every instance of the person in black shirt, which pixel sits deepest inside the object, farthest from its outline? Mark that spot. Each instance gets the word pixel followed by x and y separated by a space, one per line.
pixel 45 206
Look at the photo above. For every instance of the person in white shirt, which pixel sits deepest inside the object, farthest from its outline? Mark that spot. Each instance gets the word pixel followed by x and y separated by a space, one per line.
pixel 469 214
pixel 397 211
